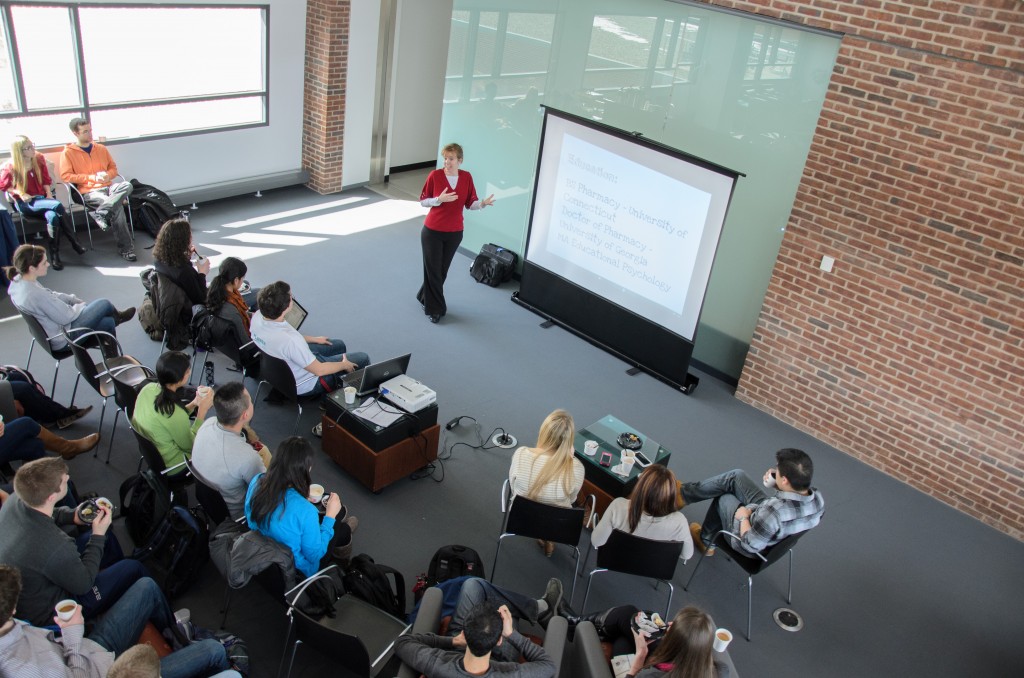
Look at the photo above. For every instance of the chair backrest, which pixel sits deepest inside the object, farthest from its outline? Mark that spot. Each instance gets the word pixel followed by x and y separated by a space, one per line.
pixel 529 518
pixel 753 564
pixel 627 553
pixel 277 373
pixel 208 497
pixel 150 453
pixel 85 364
pixel 126 392
pixel 39 334
pixel 7 407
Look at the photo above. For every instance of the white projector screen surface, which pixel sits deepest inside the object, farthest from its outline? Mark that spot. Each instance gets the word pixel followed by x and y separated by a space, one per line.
pixel 635 225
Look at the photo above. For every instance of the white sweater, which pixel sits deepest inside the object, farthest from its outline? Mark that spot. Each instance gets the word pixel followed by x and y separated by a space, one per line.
pixel 527 465
pixel 672 527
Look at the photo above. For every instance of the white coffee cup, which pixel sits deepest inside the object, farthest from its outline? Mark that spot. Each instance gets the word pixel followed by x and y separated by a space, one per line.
pixel 769 478
pixel 350 395
pixel 316 492
pixel 204 391
pixel 722 639
pixel 66 609
pixel 590 448
pixel 628 459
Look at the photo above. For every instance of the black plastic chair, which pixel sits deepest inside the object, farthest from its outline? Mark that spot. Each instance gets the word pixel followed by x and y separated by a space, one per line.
pixel 276 373
pixel 177 481
pixel 127 382
pixel 527 518
pixel 359 638
pixel 208 497
pixel 753 565
pixel 629 554
pixel 58 354
pixel 100 375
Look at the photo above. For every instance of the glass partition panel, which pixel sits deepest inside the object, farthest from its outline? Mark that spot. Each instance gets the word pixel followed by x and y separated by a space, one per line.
pixel 735 90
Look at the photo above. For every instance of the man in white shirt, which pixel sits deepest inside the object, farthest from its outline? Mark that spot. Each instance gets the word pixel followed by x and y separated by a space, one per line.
pixel 317 363
pixel 222 455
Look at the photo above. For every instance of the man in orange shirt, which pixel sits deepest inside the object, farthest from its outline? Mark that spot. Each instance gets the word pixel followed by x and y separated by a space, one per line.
pixel 90 167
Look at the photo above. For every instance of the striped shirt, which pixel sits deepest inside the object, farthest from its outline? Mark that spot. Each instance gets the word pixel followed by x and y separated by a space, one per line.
pixel 527 465
pixel 28 652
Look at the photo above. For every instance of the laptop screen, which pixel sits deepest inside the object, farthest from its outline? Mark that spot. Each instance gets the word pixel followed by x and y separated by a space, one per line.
pixel 370 377
pixel 296 315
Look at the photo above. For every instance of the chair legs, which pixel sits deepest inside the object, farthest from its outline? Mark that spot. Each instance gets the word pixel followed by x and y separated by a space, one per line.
pixel 227 604
pixel 113 431
pixel 103 413
pixel 56 370
pixel 31 347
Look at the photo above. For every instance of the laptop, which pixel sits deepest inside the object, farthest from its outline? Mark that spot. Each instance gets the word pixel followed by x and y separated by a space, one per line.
pixel 370 377
pixel 296 315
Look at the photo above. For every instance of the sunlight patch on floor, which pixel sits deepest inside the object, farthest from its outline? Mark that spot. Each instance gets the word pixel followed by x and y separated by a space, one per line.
pixel 293 213
pixel 355 220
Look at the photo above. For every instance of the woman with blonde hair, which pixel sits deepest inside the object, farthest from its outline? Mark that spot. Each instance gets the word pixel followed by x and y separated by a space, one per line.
pixel 548 473
pixel 652 512
pixel 27 183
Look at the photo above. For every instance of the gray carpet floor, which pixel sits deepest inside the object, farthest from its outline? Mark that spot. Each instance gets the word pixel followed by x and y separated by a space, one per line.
pixel 893 583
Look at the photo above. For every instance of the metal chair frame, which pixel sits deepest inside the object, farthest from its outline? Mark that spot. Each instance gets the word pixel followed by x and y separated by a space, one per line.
pixel 525 517
pixel 753 565
pixel 73 205
pixel 100 375
pixel 35 328
pixel 629 554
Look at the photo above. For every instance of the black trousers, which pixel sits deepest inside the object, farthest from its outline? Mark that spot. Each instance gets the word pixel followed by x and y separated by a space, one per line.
pixel 439 248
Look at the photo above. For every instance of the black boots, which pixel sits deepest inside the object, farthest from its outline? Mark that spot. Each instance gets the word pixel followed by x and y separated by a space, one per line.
pixel 53 243
pixel 53 254
pixel 596 618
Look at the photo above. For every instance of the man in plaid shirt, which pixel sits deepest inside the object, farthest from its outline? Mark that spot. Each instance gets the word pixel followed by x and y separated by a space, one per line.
pixel 742 507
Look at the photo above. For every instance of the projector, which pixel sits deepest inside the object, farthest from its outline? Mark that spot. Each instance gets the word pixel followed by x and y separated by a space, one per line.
pixel 407 393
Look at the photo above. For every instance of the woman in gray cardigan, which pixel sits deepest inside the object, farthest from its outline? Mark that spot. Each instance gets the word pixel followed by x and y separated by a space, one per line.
pixel 56 311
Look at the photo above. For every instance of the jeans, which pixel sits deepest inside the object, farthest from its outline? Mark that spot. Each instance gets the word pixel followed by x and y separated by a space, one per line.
pixel 38 406
pixel 51 209
pixel 475 591
pixel 112 552
pixel 20 441
pixel 728 491
pixel 97 315
pixel 120 628
pixel 333 353
pixel 108 203
pixel 111 585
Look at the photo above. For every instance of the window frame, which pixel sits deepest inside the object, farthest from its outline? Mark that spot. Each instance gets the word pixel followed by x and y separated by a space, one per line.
pixel 86 109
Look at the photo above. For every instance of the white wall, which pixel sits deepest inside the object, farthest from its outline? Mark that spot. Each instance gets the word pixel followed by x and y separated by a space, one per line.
pixel 202 159
pixel 422 34
pixel 364 27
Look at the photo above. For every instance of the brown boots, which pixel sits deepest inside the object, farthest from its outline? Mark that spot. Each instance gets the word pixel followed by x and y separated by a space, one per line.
pixel 67 449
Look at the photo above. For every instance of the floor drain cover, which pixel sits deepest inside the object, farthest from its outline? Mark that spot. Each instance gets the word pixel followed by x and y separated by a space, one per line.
pixel 788 620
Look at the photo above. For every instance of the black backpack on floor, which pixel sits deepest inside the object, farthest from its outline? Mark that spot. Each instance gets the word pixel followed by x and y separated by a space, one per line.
pixel 494 265
pixel 453 561
pixel 369 581
pixel 178 549
pixel 145 501
pixel 150 207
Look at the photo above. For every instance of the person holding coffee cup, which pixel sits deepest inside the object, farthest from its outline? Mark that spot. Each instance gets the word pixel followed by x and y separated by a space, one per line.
pixel 161 418
pixel 277 506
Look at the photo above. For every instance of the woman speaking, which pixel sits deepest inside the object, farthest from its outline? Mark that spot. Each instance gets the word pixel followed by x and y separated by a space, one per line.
pixel 447 192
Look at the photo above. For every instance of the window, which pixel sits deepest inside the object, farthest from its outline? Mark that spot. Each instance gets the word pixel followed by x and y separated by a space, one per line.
pixel 773 51
pixel 134 71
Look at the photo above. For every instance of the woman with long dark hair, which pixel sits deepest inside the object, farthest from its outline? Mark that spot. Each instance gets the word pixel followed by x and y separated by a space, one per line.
pixel 277 505
pixel 160 416
pixel 172 256
pixel 224 300
pixel 28 185
pixel 652 512
pixel 57 311
pixel 549 473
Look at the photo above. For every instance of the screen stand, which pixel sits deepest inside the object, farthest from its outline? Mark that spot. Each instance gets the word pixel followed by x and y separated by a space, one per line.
pixel 547 323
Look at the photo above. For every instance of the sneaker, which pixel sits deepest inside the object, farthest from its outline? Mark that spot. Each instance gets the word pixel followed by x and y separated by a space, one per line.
pixel 128 255
pixel 101 221
pixel 552 596
pixel 318 430
pixel 124 316
pixel 698 542
pixel 79 412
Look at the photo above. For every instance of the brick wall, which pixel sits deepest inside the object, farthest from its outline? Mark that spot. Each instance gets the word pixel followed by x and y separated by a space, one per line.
pixel 910 354
pixel 323 124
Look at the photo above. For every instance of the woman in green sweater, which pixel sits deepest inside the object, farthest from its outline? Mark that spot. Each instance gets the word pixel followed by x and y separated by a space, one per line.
pixel 159 415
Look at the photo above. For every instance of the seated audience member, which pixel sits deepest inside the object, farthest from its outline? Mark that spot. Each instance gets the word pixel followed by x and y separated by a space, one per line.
pixel 27 182
pixel 22 439
pixel 549 473
pixel 277 506
pixel 741 506
pixel 650 512
pixel 172 256
pixel 316 362
pixel 684 649
pixel 222 455
pixel 91 168
pixel 56 311
pixel 162 419
pixel 225 302
pixel 29 651
pixel 482 626
pixel 51 565
pixel 36 405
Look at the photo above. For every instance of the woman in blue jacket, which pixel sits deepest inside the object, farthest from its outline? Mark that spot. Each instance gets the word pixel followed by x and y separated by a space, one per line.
pixel 277 506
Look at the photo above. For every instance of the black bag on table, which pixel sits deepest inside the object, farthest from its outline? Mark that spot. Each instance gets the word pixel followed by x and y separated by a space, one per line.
pixel 494 265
